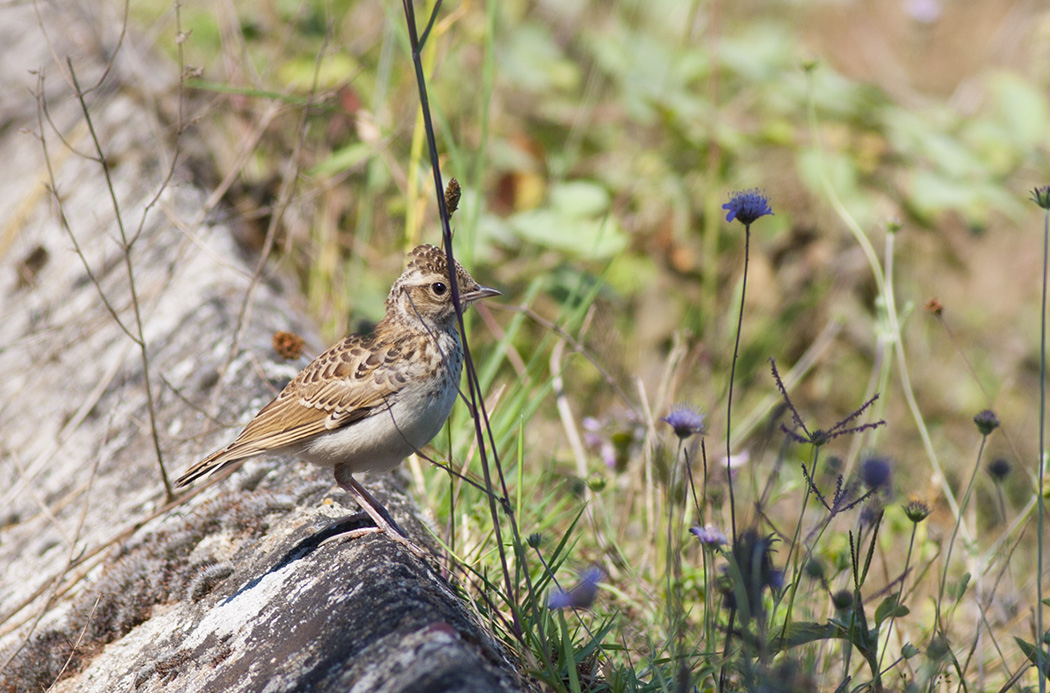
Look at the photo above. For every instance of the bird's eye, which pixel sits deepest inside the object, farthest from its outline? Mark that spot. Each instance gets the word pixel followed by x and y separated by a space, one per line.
pixel 439 288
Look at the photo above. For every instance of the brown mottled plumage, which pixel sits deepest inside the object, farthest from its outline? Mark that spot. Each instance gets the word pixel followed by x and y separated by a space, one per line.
pixel 369 401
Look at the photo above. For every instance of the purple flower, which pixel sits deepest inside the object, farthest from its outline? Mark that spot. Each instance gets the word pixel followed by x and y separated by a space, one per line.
pixel 746 206
pixel 685 421
pixel 709 535
pixel 579 597
pixel 999 469
pixel 776 579
pixel 876 473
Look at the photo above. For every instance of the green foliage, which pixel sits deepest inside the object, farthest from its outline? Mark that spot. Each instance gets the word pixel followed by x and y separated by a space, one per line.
pixel 596 143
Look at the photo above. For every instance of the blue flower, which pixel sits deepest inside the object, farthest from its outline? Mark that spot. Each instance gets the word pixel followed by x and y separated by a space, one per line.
pixel 876 473
pixel 999 469
pixel 709 535
pixel 685 421
pixel 776 580
pixel 746 206
pixel 579 597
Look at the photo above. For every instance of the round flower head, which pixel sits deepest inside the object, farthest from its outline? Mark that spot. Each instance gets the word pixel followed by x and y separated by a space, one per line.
pixel 843 600
pixel 685 421
pixel 876 473
pixel 746 206
pixel 986 422
pixel 579 597
pixel 709 535
pixel 999 469
pixel 917 511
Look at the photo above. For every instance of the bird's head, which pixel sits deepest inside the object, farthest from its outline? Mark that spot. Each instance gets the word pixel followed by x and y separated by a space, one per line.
pixel 422 292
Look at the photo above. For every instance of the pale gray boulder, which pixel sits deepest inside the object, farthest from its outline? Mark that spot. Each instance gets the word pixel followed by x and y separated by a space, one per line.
pixel 105 585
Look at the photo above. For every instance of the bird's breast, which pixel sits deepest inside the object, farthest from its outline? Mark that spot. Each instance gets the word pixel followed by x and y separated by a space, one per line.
pixel 412 418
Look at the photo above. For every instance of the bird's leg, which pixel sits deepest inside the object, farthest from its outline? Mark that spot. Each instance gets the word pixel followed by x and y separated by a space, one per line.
pixel 368 502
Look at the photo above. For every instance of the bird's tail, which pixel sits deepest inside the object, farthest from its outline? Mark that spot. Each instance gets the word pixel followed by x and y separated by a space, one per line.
pixel 213 463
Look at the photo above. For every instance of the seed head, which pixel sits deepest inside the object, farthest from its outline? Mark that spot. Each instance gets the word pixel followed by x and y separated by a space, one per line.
pixel 986 422
pixel 1041 196
pixel 288 345
pixel 917 511
pixel 843 600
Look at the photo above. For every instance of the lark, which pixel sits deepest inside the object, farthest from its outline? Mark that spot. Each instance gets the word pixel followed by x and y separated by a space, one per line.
pixel 371 400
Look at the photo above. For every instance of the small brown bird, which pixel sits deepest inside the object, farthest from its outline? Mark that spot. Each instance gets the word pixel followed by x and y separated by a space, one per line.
pixel 369 401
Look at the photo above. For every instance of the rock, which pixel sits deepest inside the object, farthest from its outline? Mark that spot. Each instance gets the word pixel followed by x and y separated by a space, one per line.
pixel 107 584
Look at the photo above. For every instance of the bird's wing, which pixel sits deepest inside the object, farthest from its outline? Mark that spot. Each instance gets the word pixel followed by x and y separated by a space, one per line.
pixel 348 382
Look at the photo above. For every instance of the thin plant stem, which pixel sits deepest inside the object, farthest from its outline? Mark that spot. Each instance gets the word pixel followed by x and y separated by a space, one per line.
pixel 955 532
pixel 732 377
pixel 674 570
pixel 729 428
pixel 1042 447
pixel 795 540
pixel 476 400
pixel 892 319
pixel 900 592
pixel 692 484
pixel 126 243
pixel 709 592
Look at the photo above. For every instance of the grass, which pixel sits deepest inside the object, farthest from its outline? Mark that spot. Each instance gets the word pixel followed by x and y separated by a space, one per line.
pixel 596 146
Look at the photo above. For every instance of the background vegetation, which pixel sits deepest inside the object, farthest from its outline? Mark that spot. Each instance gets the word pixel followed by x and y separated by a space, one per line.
pixel 596 144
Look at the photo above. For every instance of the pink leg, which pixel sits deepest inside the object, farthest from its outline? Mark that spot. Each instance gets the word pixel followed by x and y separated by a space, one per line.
pixel 368 502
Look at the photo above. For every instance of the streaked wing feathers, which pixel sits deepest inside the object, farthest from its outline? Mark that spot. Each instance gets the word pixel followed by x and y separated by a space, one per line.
pixel 346 383
pixel 342 385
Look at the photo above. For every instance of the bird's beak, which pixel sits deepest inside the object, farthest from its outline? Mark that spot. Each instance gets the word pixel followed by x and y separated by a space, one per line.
pixel 479 293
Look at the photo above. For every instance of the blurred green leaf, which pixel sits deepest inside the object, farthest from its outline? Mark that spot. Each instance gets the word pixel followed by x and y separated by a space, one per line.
pixel 596 239
pixel 575 221
pixel 334 70
pixel 960 588
pixel 344 159
pixel 653 74
pixel 579 199
pixel 841 171
pixel 530 59
pixel 1035 655
pixel 803 632
pixel 246 91
pixel 1021 106
pixel 761 52
pixel 889 608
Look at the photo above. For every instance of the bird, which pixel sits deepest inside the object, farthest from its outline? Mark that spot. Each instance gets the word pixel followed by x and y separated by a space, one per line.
pixel 370 400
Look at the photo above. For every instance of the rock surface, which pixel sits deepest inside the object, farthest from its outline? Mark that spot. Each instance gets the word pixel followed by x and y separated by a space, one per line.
pixel 105 585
